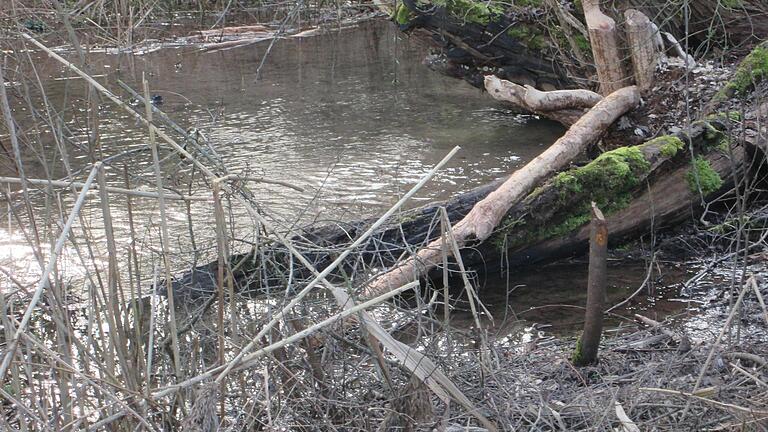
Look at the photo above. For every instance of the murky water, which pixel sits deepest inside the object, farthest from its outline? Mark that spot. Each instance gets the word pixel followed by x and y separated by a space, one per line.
pixel 352 117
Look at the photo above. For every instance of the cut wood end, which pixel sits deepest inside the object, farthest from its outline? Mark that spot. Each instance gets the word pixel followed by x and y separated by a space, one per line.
pixel 597 213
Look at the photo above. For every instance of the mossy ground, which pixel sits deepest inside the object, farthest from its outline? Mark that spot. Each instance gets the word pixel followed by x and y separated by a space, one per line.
pixel 472 11
pixel 402 14
pixel 752 70
pixel 530 35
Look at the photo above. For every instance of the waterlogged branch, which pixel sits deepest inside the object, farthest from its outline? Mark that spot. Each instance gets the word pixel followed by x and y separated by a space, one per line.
pixel 563 106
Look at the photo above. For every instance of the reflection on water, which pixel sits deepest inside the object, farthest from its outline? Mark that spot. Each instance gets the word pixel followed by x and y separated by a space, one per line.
pixel 354 113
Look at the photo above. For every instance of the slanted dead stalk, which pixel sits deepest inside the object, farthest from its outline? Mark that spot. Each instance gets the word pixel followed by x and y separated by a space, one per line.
pixel 589 342
pixel 164 236
pixel 43 283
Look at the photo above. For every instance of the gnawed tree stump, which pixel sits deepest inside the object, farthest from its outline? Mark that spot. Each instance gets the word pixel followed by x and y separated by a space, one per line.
pixel 641 38
pixel 603 38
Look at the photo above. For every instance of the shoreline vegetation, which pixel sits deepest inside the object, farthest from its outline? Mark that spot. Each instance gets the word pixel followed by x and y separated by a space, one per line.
pixel 348 325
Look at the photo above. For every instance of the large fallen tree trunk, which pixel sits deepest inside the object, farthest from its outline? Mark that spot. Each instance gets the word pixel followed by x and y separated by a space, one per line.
pixel 656 183
pixel 653 184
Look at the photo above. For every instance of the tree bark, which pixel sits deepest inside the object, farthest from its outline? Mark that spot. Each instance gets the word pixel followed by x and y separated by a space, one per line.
pixel 642 46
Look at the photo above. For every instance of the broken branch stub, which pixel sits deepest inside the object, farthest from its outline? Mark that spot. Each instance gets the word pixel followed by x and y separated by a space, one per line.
pixel 481 221
pixel 587 346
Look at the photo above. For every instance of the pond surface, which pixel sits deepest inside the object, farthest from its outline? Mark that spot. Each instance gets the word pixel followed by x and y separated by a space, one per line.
pixel 353 117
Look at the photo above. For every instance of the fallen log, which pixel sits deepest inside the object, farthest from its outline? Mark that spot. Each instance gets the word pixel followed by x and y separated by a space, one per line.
pixel 642 187
pixel 481 221
pixel 654 184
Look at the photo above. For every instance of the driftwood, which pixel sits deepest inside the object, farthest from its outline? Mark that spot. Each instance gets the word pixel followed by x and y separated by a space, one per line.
pixel 563 106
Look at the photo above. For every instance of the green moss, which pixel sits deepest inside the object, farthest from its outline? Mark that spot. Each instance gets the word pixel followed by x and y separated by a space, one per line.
pixel 529 35
pixel 577 357
pixel 608 181
pixel 569 224
pixel 669 145
pixel 529 3
pixel 518 32
pixel 728 116
pixel 407 217
pixel 752 70
pixel 34 25
pixel 537 42
pixel 714 136
pixel 583 43
pixel 471 11
pixel 702 175
pixel 567 183
pixel 506 228
pixel 724 144
pixel 732 4
pixel 402 14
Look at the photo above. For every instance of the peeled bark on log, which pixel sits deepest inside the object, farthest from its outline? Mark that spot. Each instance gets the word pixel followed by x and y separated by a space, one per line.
pixel 481 221
pixel 563 106
pixel 642 46
pixel 605 48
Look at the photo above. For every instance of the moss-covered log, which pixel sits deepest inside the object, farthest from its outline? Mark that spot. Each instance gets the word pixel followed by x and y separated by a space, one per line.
pixel 635 186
